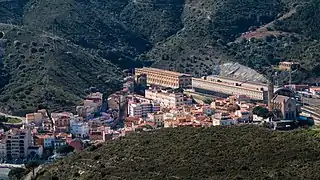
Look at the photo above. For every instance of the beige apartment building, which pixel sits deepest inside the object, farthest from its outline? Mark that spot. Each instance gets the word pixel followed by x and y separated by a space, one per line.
pixel 35 118
pixel 166 98
pixel 160 77
pixel 17 143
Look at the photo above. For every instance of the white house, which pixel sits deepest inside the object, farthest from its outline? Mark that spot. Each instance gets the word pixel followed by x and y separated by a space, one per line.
pixel 79 129
pixel 243 115
pixel 222 119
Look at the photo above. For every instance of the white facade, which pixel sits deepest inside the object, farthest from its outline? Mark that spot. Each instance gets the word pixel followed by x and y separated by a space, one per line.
pixel 221 119
pixel 166 99
pixel 134 110
pixel 243 115
pixel 79 129
pixel 142 109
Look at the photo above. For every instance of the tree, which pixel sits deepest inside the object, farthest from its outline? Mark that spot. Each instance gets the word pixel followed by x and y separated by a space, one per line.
pixel 31 165
pixel 16 173
pixel 65 149
pixel 261 111
pixel 207 101
pixel 3 119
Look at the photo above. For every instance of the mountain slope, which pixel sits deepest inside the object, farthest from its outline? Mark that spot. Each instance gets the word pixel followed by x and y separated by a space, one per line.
pixel 12 11
pixel 91 24
pixel 243 152
pixel 47 70
pixel 183 35
pixel 208 26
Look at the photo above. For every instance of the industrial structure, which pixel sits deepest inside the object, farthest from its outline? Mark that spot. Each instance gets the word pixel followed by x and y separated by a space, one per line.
pixel 223 87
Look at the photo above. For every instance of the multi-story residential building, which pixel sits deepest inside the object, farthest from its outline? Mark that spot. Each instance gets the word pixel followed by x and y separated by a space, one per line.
pixel 166 98
pixel 156 118
pixel 46 141
pixel 59 142
pixel 79 129
pixel 3 149
pixel 17 143
pixel 139 106
pixel 47 125
pixel 142 109
pixel 61 121
pixel 164 78
pixel 35 118
pixel 222 119
pixel 223 87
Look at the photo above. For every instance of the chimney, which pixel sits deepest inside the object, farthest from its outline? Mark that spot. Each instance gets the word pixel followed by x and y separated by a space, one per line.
pixel 270 94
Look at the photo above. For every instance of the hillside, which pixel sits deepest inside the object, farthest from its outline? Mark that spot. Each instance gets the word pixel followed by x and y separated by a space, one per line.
pixel 12 11
pixel 243 152
pixel 41 69
pixel 187 36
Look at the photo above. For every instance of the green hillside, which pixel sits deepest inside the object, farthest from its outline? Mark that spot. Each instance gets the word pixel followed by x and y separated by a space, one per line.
pixel 42 69
pixel 182 35
pixel 243 152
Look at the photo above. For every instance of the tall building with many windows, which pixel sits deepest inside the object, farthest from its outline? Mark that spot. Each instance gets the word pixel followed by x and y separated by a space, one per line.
pixel 140 107
pixel 166 98
pixel 164 78
pixel 18 141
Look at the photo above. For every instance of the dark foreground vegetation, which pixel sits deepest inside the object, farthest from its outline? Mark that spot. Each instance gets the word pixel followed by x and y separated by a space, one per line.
pixel 238 152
